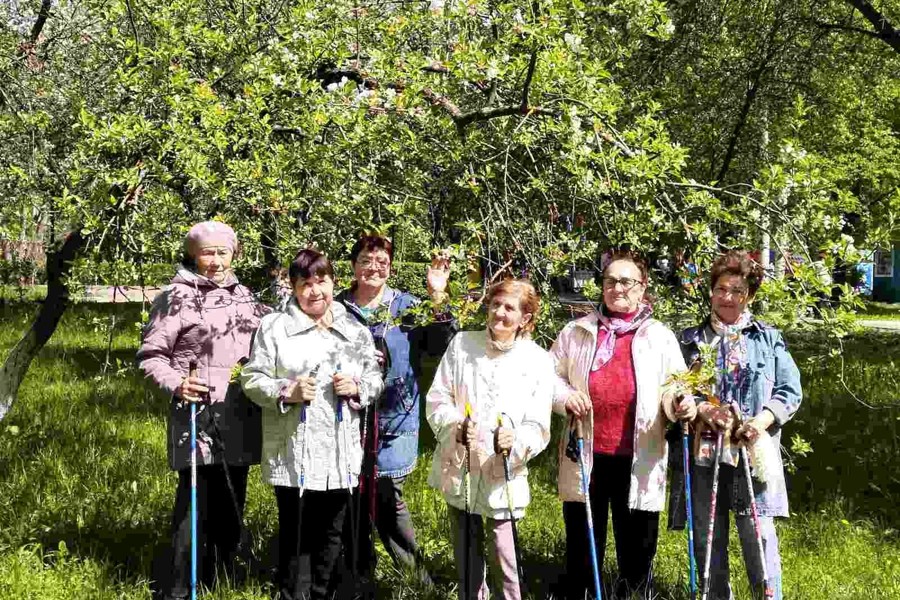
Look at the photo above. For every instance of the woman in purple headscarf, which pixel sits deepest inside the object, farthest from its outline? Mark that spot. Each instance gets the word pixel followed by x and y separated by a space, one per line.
pixel 205 319
pixel 612 366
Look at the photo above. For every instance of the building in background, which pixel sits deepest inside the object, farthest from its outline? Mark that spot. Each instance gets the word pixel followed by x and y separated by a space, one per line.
pixel 886 274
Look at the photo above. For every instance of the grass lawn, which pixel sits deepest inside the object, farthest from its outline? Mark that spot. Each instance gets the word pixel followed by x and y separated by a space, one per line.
pixel 880 311
pixel 85 493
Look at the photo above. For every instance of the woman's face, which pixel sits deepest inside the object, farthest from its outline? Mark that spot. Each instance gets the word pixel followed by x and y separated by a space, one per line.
pixel 314 295
pixel 623 286
pixel 505 316
pixel 372 268
pixel 214 262
pixel 730 296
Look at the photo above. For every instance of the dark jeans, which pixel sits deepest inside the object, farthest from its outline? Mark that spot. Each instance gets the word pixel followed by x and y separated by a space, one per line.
pixel 636 532
pixel 218 526
pixel 317 520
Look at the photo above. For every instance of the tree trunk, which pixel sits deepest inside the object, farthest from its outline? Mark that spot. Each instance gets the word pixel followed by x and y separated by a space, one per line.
pixel 15 367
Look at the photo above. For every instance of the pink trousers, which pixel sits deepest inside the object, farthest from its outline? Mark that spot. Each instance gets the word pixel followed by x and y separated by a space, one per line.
pixel 501 556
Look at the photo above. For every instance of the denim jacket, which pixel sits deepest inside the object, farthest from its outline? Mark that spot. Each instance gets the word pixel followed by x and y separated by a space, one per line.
pixel 398 407
pixel 772 381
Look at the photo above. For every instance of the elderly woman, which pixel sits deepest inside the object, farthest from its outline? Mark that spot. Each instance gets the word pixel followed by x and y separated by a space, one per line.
pixel 612 366
pixel 312 369
pixel 393 428
pixel 497 376
pixel 758 385
pixel 207 318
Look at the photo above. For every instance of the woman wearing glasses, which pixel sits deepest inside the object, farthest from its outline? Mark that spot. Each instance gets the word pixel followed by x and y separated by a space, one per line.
pixel 612 366
pixel 392 428
pixel 758 384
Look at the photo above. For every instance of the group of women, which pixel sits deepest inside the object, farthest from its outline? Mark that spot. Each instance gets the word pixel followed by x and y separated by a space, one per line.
pixel 326 389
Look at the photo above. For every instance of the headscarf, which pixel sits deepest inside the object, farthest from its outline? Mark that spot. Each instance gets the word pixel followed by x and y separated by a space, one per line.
pixel 209 233
pixel 610 327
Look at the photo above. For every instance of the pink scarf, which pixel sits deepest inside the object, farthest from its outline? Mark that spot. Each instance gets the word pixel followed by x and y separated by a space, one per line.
pixel 610 327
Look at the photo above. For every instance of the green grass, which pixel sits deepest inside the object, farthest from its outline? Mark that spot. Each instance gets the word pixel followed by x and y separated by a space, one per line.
pixel 85 494
pixel 880 311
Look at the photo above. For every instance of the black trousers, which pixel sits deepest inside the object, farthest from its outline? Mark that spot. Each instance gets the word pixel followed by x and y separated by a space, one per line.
pixel 393 523
pixel 308 527
pixel 218 525
pixel 636 532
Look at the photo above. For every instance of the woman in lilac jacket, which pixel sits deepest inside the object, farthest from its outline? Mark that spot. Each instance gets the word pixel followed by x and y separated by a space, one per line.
pixel 205 317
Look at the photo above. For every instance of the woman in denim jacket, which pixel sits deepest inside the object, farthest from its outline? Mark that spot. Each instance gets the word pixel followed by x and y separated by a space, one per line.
pixel 391 448
pixel 759 386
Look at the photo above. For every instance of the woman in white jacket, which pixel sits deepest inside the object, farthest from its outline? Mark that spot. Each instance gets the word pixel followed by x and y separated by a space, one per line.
pixel 501 374
pixel 311 370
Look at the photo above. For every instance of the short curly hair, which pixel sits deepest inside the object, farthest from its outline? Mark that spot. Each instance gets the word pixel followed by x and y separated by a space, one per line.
pixel 633 257
pixel 523 289
pixel 737 262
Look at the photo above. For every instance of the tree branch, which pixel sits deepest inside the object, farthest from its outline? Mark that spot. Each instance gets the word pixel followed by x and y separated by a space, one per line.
pixel 443 102
pixel 529 75
pixel 847 28
pixel 485 114
pixel 43 15
pixel 884 29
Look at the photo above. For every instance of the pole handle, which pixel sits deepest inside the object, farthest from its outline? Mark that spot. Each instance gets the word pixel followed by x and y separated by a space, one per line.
pixel 579 429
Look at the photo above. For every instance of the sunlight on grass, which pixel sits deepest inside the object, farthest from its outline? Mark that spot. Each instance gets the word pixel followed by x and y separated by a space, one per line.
pixel 83 469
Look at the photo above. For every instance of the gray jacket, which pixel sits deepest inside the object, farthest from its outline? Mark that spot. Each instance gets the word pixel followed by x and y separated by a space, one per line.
pixel 290 345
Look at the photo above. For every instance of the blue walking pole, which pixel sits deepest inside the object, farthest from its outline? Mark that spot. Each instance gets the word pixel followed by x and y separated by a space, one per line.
pixel 692 560
pixel 193 373
pixel 579 436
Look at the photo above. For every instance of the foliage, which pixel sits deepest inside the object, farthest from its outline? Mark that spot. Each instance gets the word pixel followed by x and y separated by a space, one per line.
pixel 528 137
pixel 700 379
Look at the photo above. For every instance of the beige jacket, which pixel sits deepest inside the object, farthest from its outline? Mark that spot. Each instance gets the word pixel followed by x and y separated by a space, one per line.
pixel 518 385
pixel 656 355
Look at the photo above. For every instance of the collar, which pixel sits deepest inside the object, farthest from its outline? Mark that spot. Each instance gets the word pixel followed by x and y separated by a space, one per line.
pixel 692 335
pixel 591 323
pixel 345 297
pixel 300 322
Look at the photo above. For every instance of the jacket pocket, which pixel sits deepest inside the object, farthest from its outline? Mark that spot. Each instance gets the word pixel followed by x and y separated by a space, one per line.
pixel 451 472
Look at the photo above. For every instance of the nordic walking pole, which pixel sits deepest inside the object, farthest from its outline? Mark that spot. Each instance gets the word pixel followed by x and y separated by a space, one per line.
pixel 467 574
pixel 192 372
pixel 314 373
pixel 520 568
pixel 579 436
pixel 303 408
pixel 342 440
pixel 767 591
pixel 692 560
pixel 720 442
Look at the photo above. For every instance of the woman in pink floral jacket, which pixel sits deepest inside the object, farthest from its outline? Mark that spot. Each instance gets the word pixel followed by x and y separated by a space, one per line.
pixel 612 366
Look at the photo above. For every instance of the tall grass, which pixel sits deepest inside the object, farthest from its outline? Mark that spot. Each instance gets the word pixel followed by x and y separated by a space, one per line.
pixel 85 493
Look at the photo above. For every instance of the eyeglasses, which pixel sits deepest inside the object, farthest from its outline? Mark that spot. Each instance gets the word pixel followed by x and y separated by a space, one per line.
pixel 736 292
pixel 626 282
pixel 368 263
